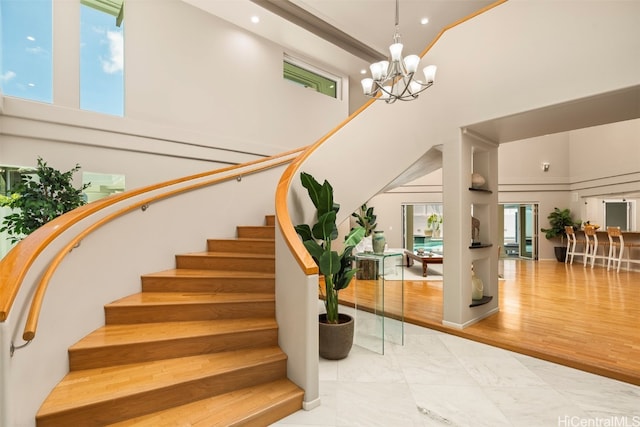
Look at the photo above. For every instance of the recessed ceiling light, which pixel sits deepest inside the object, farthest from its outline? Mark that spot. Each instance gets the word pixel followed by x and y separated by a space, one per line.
pixel 31 38
pixel 255 19
pixel 363 71
pixel 424 21
pixel 31 84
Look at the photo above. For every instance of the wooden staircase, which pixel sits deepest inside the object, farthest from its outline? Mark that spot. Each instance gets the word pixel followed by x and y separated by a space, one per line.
pixel 198 346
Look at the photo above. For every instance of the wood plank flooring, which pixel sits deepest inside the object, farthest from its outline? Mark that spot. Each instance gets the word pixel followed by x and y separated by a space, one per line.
pixel 584 318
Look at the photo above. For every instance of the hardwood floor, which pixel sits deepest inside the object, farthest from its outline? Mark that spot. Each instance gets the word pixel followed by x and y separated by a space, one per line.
pixel 584 318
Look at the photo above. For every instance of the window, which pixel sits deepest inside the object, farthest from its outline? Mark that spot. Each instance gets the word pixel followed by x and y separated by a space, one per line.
pixel 26 49
pixel 619 213
pixel 102 185
pixel 102 57
pixel 26 56
pixel 311 77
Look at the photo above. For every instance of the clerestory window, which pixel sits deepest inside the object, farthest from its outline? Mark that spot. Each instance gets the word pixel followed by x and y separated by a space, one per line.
pixel 310 77
pixel 26 57
pixel 102 56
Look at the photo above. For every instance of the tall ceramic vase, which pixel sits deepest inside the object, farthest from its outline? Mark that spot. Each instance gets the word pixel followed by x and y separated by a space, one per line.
pixel 477 287
pixel 379 241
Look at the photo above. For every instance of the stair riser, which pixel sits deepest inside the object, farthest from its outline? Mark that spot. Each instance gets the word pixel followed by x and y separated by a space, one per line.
pixel 272 414
pixel 115 315
pixel 239 263
pixel 117 409
pixel 204 284
pixel 158 350
pixel 242 246
pixel 256 232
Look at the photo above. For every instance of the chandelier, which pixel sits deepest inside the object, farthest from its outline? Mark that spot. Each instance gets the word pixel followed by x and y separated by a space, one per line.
pixel 394 79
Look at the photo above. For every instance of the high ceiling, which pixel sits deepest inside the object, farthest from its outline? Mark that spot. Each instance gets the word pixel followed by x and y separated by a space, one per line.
pixel 345 36
pixel 352 33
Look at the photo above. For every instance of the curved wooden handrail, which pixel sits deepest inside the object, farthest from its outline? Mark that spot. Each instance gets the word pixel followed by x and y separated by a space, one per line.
pixel 460 21
pixel 31 323
pixel 14 266
pixel 300 254
pixel 303 258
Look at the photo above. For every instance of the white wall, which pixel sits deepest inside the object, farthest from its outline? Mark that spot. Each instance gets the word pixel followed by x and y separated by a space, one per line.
pixel 199 92
pixel 571 181
pixel 190 69
pixel 106 266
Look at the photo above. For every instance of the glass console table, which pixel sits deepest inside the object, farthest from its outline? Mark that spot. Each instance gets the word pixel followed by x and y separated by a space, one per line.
pixel 379 301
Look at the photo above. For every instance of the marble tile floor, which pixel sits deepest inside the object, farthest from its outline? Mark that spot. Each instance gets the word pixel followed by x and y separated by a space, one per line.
pixel 436 379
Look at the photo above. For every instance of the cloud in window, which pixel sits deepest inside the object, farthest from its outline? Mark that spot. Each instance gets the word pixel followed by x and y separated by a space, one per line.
pixel 38 50
pixel 115 62
pixel 7 76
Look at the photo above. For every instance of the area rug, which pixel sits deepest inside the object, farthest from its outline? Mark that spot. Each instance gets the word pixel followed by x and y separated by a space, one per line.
pixel 434 273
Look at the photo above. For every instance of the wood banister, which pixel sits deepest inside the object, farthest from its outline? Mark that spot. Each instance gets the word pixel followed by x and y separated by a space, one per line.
pixel 300 254
pixel 31 323
pixel 460 21
pixel 15 265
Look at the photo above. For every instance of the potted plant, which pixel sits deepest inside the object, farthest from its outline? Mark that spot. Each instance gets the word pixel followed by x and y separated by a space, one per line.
pixel 336 329
pixel 433 223
pixel 558 220
pixel 366 218
pixel 41 196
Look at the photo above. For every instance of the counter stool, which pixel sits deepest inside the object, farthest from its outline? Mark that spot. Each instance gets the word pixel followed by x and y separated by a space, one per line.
pixel 617 248
pixel 592 245
pixel 572 243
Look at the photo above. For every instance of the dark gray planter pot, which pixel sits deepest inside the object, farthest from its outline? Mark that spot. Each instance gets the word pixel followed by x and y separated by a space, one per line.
pixel 336 340
pixel 561 253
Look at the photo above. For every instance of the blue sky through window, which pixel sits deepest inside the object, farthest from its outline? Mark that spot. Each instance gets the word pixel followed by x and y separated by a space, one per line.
pixel 26 49
pixel 101 63
pixel 26 69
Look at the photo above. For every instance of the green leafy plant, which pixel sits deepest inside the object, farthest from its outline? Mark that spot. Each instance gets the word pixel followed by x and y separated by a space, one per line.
pixel 558 220
pixel 433 221
pixel 39 198
pixel 366 218
pixel 337 268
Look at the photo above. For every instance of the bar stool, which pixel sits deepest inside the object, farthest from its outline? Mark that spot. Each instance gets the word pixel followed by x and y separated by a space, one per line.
pixel 572 242
pixel 591 246
pixel 616 247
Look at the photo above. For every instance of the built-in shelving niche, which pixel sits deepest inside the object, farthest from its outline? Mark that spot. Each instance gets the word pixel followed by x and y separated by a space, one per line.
pixel 481 269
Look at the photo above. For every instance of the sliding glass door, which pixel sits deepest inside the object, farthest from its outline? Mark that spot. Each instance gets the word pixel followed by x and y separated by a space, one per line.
pixel 520 223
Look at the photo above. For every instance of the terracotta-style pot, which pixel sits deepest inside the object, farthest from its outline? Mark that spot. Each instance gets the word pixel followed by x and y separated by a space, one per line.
pixel 336 339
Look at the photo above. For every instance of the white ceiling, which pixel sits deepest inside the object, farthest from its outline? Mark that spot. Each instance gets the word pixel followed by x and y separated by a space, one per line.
pixel 369 26
pixel 371 22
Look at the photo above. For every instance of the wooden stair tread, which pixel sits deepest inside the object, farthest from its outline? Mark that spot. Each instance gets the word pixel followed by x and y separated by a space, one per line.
pixel 227 409
pixel 248 255
pixel 113 335
pixel 198 346
pixel 188 298
pixel 92 386
pixel 244 239
pixel 204 273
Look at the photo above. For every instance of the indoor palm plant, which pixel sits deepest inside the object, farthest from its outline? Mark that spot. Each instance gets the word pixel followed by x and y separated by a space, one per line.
pixel 558 220
pixel 335 267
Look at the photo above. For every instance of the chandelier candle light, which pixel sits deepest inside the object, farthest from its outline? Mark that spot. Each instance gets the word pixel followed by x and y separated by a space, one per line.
pixel 394 79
